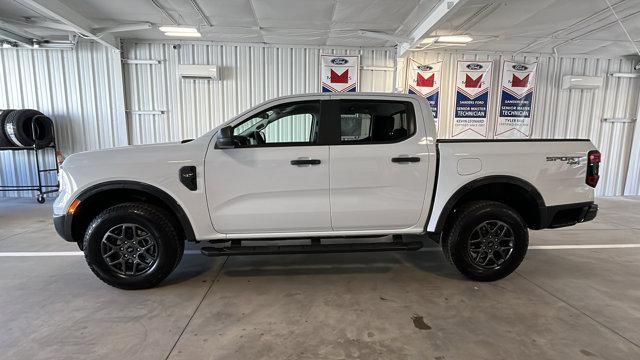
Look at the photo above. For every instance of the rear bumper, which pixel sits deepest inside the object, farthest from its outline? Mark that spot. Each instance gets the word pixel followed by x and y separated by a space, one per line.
pixel 569 214
pixel 591 213
pixel 62 223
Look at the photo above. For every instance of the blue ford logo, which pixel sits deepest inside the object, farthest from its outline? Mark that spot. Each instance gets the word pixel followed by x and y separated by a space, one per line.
pixel 474 66
pixel 425 68
pixel 339 61
pixel 518 67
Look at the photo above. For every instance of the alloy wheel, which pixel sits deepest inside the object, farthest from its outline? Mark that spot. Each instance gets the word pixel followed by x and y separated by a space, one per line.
pixel 491 243
pixel 129 249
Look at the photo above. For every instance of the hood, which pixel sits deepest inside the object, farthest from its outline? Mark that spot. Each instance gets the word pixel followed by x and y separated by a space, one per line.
pixel 137 154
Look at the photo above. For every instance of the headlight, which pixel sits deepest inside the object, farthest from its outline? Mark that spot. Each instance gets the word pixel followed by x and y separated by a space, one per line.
pixel 62 179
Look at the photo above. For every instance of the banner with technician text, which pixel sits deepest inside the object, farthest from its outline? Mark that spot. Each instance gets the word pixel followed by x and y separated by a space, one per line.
pixel 339 73
pixel 516 100
pixel 473 85
pixel 424 80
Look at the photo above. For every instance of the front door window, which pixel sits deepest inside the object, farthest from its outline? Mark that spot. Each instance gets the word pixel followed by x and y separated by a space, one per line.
pixel 286 124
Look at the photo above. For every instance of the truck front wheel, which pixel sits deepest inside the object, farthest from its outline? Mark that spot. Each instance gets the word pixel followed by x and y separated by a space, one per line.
pixel 486 241
pixel 132 246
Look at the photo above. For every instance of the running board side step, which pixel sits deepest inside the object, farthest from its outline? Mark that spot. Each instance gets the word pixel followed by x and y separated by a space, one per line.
pixel 314 248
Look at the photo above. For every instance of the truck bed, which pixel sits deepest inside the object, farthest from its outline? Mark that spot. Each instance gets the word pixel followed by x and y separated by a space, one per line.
pixel 557 167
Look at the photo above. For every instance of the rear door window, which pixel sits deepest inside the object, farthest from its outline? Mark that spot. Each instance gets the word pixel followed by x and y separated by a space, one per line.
pixel 374 121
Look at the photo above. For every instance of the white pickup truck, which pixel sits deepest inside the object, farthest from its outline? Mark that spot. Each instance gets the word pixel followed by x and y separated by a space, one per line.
pixel 316 167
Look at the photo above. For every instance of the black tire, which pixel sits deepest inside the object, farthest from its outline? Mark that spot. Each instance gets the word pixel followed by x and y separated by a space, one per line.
pixel 181 244
pixel 155 223
pixel 460 242
pixel 18 129
pixel 44 131
pixel 4 140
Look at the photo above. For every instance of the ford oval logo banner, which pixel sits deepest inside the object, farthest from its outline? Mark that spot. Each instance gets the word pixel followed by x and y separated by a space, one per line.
pixel 424 80
pixel 473 82
pixel 515 111
pixel 339 73
pixel 339 61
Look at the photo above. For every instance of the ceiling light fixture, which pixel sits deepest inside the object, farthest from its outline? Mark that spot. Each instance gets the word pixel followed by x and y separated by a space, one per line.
pixel 178 29
pixel 454 39
pixel 448 39
pixel 6 45
pixel 183 34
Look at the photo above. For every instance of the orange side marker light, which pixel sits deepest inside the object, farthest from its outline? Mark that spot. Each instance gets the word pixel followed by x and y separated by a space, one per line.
pixel 73 206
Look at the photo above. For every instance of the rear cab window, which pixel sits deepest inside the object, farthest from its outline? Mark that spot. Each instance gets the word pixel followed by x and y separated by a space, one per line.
pixel 375 121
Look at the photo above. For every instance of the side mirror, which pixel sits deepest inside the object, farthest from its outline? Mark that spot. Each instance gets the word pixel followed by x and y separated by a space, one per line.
pixel 225 138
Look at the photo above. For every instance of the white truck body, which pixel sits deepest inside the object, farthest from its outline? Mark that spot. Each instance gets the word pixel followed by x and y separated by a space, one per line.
pixel 318 166
pixel 355 190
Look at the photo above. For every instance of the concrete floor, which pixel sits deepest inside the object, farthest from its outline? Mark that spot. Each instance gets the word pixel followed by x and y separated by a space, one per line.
pixel 560 304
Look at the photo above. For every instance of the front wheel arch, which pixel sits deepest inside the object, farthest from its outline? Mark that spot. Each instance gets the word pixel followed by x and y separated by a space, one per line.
pixel 101 196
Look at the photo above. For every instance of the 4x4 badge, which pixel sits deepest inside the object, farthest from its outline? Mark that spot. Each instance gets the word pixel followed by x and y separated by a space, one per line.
pixel 570 160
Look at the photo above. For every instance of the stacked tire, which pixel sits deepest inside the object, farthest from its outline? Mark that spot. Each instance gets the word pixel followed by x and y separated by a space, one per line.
pixel 16 129
pixel 4 140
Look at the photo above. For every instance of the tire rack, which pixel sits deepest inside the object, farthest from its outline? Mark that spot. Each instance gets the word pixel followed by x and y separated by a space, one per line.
pixel 41 187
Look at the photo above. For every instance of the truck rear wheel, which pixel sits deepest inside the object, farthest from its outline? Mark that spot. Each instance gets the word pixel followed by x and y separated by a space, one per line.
pixel 132 246
pixel 486 241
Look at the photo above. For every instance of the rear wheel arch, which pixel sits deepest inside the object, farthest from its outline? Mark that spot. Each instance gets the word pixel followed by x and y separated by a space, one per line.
pixel 515 192
pixel 101 196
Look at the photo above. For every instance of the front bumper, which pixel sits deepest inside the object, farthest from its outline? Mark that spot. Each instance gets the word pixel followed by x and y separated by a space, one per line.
pixel 62 223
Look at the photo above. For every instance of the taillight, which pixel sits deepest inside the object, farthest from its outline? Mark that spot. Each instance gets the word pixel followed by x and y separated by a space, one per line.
pixel 593 168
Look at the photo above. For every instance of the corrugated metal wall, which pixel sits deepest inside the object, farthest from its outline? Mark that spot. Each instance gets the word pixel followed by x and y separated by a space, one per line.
pixel 80 90
pixel 566 113
pixel 250 74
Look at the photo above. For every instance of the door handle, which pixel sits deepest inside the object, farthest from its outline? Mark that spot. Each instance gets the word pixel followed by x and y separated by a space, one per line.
pixel 405 159
pixel 299 162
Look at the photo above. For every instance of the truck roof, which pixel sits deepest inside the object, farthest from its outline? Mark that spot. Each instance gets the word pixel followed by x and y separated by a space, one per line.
pixel 345 95
pixel 351 95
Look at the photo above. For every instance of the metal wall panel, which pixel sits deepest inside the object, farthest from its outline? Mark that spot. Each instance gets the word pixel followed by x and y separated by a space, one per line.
pixel 81 90
pixel 565 113
pixel 249 75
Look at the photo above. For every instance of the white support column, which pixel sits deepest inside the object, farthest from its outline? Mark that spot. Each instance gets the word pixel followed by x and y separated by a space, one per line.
pixel 632 179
